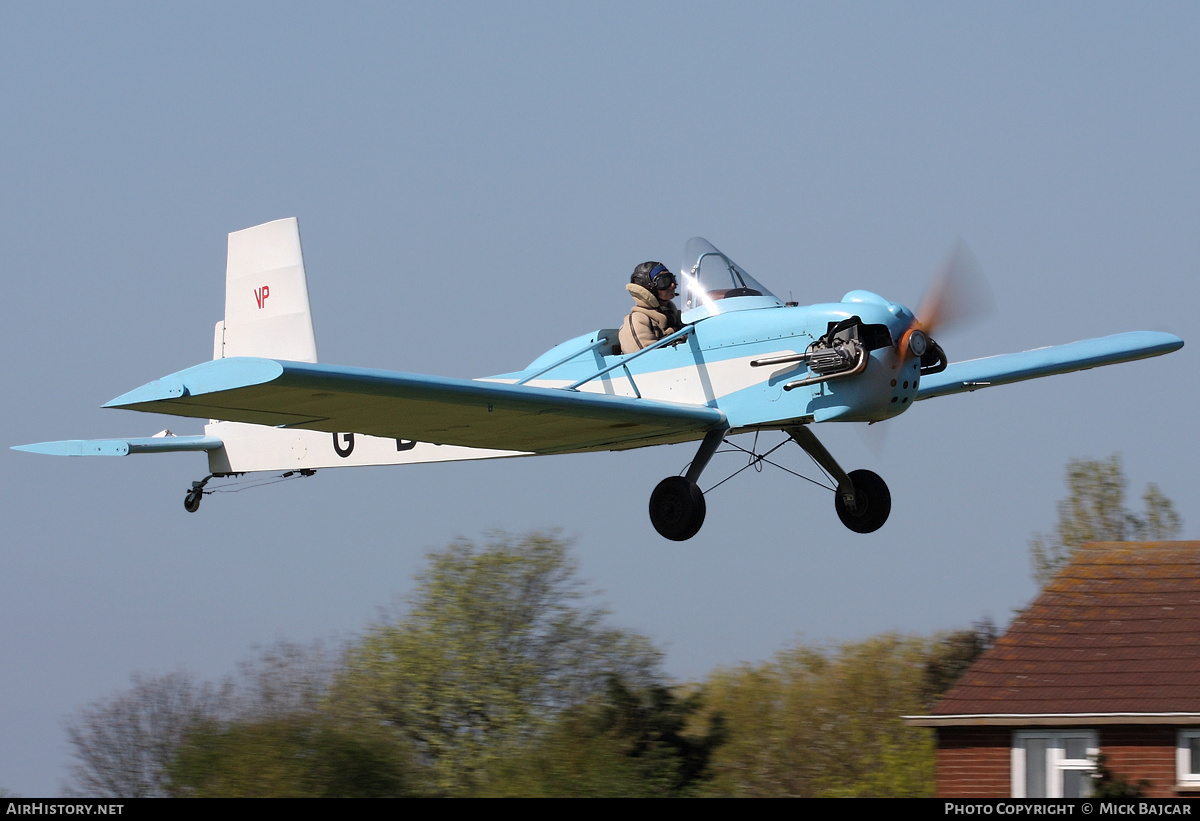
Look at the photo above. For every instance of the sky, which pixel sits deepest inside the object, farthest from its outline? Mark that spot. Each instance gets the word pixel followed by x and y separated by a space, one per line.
pixel 474 183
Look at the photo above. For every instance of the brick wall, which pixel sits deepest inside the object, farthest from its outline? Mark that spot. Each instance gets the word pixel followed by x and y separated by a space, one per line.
pixel 976 762
pixel 1142 752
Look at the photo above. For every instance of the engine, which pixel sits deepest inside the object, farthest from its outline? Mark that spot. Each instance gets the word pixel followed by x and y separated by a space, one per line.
pixel 844 346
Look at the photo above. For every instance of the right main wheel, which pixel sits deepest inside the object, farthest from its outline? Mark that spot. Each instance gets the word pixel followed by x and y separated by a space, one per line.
pixel 677 508
pixel 873 503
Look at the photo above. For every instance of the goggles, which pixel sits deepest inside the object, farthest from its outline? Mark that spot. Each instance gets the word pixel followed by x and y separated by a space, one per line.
pixel 660 278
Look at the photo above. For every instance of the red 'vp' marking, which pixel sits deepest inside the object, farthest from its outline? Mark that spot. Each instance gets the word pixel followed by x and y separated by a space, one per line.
pixel 261 294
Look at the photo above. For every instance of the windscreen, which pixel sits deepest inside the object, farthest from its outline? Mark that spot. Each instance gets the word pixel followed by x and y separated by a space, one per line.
pixel 715 283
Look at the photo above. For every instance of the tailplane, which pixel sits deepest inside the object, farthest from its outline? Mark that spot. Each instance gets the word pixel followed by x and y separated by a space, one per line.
pixel 267 315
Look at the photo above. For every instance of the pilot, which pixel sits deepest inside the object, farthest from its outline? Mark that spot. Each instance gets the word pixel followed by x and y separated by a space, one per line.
pixel 654 315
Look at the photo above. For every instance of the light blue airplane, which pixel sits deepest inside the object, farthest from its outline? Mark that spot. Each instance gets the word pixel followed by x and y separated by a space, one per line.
pixel 744 362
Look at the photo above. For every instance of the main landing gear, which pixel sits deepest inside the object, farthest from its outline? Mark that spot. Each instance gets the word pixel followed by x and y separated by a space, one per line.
pixel 862 500
pixel 677 504
pixel 677 507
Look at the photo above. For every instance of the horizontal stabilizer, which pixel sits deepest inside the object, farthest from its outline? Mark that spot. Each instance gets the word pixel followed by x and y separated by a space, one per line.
pixel 1075 356
pixel 122 447
pixel 407 406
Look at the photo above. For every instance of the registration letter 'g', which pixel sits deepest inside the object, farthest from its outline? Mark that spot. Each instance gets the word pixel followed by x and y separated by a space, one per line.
pixel 343 451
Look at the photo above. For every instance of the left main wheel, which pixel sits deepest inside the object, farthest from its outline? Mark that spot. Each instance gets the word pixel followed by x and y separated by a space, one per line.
pixel 677 508
pixel 873 503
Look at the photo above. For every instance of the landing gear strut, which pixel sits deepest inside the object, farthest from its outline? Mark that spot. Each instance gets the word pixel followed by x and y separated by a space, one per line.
pixel 677 505
pixel 863 500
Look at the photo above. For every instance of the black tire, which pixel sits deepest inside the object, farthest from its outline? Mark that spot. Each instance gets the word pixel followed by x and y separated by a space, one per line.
pixel 873 503
pixel 191 502
pixel 677 509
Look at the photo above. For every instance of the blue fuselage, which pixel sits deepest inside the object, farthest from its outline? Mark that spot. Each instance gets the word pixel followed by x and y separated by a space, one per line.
pixel 712 366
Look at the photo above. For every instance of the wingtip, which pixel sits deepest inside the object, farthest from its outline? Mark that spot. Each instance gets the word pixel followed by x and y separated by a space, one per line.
pixel 207 377
pixel 77 447
pixel 1160 342
pixel 156 391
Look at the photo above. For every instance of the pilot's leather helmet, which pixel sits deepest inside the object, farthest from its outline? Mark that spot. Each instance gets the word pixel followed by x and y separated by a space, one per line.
pixel 653 276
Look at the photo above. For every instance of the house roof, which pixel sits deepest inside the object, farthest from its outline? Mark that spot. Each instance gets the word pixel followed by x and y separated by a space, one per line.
pixel 1116 632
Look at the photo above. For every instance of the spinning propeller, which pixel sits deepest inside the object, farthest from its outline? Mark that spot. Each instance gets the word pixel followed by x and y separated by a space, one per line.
pixel 957 294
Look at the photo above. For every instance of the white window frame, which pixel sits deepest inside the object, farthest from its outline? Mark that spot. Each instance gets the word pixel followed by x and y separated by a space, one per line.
pixel 1056 761
pixel 1183 759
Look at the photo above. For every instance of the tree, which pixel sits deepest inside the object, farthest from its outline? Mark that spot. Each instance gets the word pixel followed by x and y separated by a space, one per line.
pixel 1107 784
pixel 281 680
pixel 498 645
pixel 280 738
pixel 1094 511
pixel 824 723
pixel 498 642
pixel 620 744
pixel 123 745
pixel 302 755
pixel 952 653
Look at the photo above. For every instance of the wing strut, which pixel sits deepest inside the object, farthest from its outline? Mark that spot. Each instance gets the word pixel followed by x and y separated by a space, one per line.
pixel 666 340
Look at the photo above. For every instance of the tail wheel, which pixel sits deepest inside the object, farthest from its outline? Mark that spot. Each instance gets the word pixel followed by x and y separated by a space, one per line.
pixel 873 503
pixel 677 508
pixel 191 502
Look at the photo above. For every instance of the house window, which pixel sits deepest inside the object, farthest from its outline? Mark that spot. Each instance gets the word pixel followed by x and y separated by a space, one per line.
pixel 1187 758
pixel 1053 763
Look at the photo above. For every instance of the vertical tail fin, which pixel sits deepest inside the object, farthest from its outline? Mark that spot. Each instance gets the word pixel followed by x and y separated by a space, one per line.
pixel 266 296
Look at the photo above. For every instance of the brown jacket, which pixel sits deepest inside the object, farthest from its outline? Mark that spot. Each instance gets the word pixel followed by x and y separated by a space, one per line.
pixel 649 321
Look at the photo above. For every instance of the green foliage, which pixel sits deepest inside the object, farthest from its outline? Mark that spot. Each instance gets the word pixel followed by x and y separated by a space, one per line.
pixel 298 756
pixel 497 644
pixel 951 654
pixel 1094 511
pixel 826 723
pixel 498 649
pixel 274 738
pixel 502 680
pixel 621 744
pixel 1106 784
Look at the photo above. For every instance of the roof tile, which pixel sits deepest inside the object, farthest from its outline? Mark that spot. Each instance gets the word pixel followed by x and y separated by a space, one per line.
pixel 1117 631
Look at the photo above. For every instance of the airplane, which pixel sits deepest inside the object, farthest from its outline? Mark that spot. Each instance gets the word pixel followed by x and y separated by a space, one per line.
pixel 744 362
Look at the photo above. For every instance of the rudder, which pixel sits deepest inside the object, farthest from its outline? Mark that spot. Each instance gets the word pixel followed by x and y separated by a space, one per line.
pixel 267 312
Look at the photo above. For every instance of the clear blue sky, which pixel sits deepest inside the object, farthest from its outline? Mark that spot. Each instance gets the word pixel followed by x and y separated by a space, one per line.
pixel 474 183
